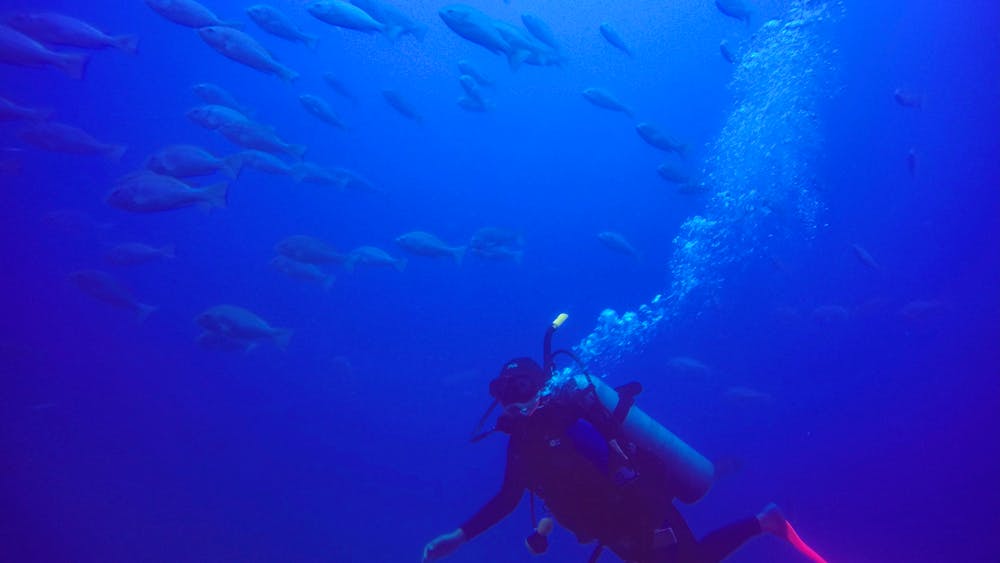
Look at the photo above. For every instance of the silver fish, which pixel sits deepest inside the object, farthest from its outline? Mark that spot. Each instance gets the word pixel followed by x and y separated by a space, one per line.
pixel 135 253
pixel 11 111
pixel 401 105
pixel 343 14
pixel 264 162
pixel 615 241
pixel 604 99
pixel 217 95
pixel 279 24
pixel 59 29
pixel 252 135
pixel 18 49
pixel 59 137
pixel 396 22
pixel 614 38
pixel 656 138
pixel 186 161
pixel 240 324
pixel 148 192
pixel 106 288
pixel 188 13
pixel 302 271
pixel 240 47
pixel 310 250
pixel 372 256
pixel 214 116
pixel 320 109
pixel 426 244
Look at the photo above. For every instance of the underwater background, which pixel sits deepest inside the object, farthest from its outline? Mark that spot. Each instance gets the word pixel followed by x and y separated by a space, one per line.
pixel 818 304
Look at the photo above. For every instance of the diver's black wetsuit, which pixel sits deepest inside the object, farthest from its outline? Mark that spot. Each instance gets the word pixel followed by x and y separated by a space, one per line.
pixel 559 455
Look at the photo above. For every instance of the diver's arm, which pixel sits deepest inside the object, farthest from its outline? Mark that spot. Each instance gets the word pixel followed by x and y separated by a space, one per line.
pixel 502 504
pixel 493 512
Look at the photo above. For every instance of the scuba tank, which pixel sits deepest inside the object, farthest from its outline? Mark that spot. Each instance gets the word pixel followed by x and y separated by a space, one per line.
pixel 690 473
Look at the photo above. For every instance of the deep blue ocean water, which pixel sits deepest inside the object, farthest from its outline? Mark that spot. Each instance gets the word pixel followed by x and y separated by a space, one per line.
pixel 861 397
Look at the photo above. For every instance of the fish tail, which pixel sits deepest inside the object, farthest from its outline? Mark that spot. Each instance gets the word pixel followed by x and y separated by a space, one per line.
pixel 281 337
pixel 215 195
pixel 115 152
pixel 400 265
pixel 287 74
pixel 394 31
pixel 74 65
pixel 127 43
pixel 142 310
pixel 515 57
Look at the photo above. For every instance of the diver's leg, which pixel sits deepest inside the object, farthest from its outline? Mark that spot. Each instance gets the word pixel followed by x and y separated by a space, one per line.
pixel 721 543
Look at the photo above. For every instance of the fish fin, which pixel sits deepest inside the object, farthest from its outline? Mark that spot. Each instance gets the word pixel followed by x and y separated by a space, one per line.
pixel 400 265
pixel 393 32
pixel 516 57
pixel 215 195
pixel 74 65
pixel 233 165
pixel 127 43
pixel 115 152
pixel 168 251
pixel 328 282
pixel 459 254
pixel 281 337
pixel 142 310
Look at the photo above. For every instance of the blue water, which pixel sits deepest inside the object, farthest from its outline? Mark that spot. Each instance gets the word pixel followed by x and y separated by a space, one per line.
pixel 864 400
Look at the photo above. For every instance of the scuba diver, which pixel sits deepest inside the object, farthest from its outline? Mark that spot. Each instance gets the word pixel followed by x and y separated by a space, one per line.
pixel 604 469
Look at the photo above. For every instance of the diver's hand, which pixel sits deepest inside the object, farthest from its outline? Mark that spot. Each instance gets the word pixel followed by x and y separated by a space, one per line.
pixel 443 545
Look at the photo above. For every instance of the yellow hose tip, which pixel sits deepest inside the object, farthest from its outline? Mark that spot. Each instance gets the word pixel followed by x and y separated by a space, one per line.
pixel 559 320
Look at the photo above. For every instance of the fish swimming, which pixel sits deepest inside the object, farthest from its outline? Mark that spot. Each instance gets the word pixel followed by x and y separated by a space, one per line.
pixel 188 13
pixel 426 244
pixel 343 14
pixel 250 135
pixel 473 99
pixel 302 271
pixel 217 95
pixel 279 24
pixel 656 138
pixel 264 162
pixel 240 324
pixel 672 174
pixel 59 137
pixel 395 21
pixel 213 116
pixel 726 52
pixel 186 161
pixel 475 26
pixel 603 99
pixel 11 111
pixel 106 288
pixel 615 241
pixel 59 29
pixel 303 248
pixel 865 257
pixel 541 30
pixel 339 87
pixel 240 47
pixel 148 192
pixel 320 109
pixel 136 253
pixel 372 256
pixel 736 9
pixel 614 38
pixel 18 49
pixel 467 68
pixel 401 105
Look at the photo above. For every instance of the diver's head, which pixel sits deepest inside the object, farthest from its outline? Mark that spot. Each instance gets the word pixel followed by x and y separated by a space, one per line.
pixel 518 384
